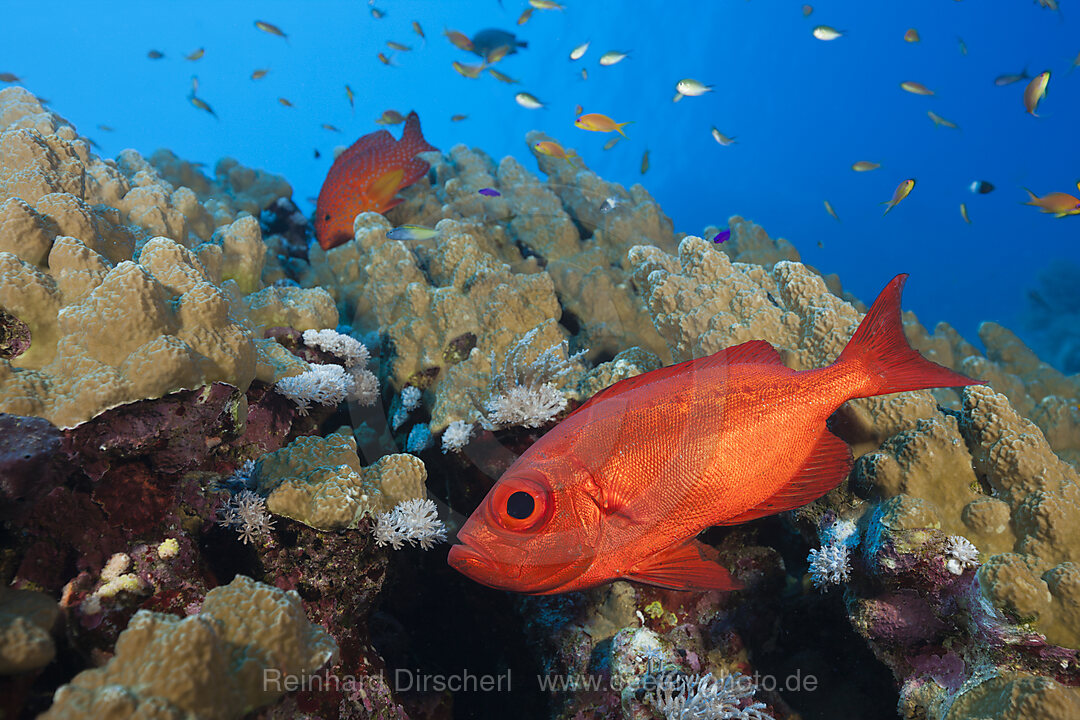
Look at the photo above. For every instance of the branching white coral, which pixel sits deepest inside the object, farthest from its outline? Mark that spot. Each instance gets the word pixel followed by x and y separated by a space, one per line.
pixel 413 521
pixel 456 436
pixel 322 384
pixel 710 698
pixel 365 386
pixel 349 349
pixel 830 565
pixel 523 393
pixel 527 406
pixel 410 397
pixel 246 513
pixel 960 554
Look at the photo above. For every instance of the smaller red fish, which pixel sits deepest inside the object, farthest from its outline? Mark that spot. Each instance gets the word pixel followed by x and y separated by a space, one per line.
pixel 367 177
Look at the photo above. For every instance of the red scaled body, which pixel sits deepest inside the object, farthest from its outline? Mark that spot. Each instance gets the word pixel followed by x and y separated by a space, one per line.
pixel 620 488
pixel 367 177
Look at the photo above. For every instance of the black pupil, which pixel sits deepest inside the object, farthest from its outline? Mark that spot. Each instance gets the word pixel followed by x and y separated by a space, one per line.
pixel 520 505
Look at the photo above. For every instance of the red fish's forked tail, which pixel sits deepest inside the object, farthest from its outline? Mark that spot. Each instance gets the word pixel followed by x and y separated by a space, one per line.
pixel 880 348
pixel 412 139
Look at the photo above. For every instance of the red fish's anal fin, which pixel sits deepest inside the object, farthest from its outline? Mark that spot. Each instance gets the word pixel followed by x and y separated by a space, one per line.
pixel 880 347
pixel 384 187
pixel 826 467
pixel 690 566
pixel 755 351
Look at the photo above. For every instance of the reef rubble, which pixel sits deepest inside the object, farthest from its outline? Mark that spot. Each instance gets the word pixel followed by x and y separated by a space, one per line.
pixel 196 455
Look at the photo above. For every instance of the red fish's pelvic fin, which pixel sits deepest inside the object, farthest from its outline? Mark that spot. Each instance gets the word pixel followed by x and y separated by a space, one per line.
pixel 880 348
pixel 826 467
pixel 384 187
pixel 690 566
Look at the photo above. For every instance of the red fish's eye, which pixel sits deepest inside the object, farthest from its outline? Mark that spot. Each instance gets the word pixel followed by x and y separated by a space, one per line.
pixel 521 503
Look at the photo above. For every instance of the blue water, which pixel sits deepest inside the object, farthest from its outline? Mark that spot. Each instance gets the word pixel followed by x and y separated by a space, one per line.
pixel 802 110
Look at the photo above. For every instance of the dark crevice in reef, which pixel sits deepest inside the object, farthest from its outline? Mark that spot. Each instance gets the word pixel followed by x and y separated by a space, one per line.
pixel 454 628
pixel 812 636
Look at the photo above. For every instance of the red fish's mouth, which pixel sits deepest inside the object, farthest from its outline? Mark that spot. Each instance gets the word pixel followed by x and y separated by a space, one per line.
pixel 470 562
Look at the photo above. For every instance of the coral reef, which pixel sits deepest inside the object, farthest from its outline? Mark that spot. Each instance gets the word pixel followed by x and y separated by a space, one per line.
pixel 130 287
pixel 213 664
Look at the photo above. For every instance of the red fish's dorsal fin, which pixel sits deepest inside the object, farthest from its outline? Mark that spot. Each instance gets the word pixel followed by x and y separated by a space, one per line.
pixel 372 141
pixel 412 140
pixel 384 187
pixel 690 566
pixel 827 465
pixel 755 351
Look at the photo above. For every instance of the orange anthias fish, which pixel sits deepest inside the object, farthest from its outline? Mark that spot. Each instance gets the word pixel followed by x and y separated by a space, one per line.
pixel 367 177
pixel 621 487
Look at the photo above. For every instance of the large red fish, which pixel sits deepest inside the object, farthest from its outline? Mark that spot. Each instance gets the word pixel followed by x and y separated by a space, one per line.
pixel 621 487
pixel 367 177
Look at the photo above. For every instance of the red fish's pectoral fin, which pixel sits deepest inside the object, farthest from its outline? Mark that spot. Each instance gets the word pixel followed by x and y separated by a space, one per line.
pixel 690 566
pixel 826 467
pixel 384 187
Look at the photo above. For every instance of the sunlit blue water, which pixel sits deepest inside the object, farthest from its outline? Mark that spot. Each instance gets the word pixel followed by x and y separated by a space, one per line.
pixel 802 110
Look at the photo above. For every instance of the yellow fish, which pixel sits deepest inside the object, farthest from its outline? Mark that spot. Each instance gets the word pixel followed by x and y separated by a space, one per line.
pixel 963 213
pixel 195 55
pixel 864 166
pixel 459 40
pixel 916 88
pixel 331 128
pixel 502 78
pixel 546 5
pixel 202 105
pixel 938 120
pixel 458 118
pixel 829 209
pixel 912 35
pixel 555 150
pixel 418 30
pixel 901 192
pixel 272 29
pixel 611 143
pixel 579 52
pixel 398 46
pixel 258 74
pixel 1058 203
pixel 285 102
pixel 469 71
pixel 597 122
pixel 390 117
pixel 383 59
pixel 525 15
pixel 1036 91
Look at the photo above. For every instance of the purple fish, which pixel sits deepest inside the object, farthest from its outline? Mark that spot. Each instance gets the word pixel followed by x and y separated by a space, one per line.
pixel 722 236
pixel 490 192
